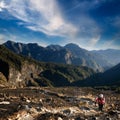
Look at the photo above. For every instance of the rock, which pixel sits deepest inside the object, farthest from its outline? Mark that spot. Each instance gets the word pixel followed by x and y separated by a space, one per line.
pixel 67 112
pixel 5 102
pixel 85 108
pixel 118 116
pixel 28 101
pixel 94 118
pixel 112 113
pixel 59 118
pixel 78 118
pixel 22 98
pixel 38 108
pixel 108 118
pixel 50 116
pixel 26 117
pixel 27 107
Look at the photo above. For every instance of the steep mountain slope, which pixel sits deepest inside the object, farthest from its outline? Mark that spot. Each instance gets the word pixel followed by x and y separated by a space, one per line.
pixel 110 77
pixel 87 58
pixel 69 54
pixel 21 71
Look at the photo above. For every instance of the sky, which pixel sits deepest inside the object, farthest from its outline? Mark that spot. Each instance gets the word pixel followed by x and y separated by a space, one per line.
pixel 91 24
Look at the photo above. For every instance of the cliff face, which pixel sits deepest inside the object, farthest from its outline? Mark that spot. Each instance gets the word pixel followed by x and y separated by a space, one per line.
pixel 10 76
pixel 16 70
pixel 22 78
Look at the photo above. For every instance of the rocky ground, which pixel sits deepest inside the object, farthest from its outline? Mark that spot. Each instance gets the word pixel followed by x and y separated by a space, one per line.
pixel 68 103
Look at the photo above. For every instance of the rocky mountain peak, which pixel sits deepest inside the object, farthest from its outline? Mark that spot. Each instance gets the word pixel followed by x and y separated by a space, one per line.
pixel 72 46
pixel 54 47
pixel 10 42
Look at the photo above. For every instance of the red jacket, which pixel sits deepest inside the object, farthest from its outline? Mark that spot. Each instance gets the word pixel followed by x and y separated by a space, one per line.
pixel 100 100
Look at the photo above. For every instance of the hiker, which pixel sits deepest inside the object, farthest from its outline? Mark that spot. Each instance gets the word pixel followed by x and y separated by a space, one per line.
pixel 100 100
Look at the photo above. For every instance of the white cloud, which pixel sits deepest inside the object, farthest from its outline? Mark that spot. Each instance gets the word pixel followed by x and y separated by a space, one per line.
pixel 2 39
pixel 88 26
pixel 41 15
pixel 94 41
pixel 2 5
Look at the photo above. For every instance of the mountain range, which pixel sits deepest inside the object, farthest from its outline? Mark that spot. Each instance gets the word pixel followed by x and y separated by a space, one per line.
pixel 17 70
pixel 68 54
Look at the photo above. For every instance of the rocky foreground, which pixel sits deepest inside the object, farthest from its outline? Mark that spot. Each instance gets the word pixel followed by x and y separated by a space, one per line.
pixel 68 103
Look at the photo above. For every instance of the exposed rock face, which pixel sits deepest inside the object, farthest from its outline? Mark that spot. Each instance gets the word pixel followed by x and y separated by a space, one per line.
pixel 22 78
pixel 3 80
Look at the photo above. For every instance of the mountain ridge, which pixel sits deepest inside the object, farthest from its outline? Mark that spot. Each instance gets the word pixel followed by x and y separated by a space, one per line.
pixel 111 77
pixel 20 71
pixel 68 54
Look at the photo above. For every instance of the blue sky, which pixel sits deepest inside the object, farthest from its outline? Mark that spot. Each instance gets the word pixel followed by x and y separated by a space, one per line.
pixel 92 24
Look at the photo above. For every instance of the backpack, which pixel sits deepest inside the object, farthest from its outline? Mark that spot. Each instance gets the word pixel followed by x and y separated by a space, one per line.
pixel 100 100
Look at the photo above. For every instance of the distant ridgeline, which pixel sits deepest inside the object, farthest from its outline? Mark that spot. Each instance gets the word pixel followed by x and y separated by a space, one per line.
pixel 70 54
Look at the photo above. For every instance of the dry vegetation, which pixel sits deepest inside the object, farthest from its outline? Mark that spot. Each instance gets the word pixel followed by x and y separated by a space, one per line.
pixel 65 103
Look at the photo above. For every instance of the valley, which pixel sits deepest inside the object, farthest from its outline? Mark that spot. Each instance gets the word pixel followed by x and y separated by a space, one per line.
pixel 34 90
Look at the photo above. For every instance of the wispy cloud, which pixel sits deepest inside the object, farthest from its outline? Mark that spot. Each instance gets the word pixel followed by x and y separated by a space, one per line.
pixel 94 40
pixel 41 15
pixel 85 5
pixel 116 21
pixel 113 42
pixel 90 31
pixel 108 44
